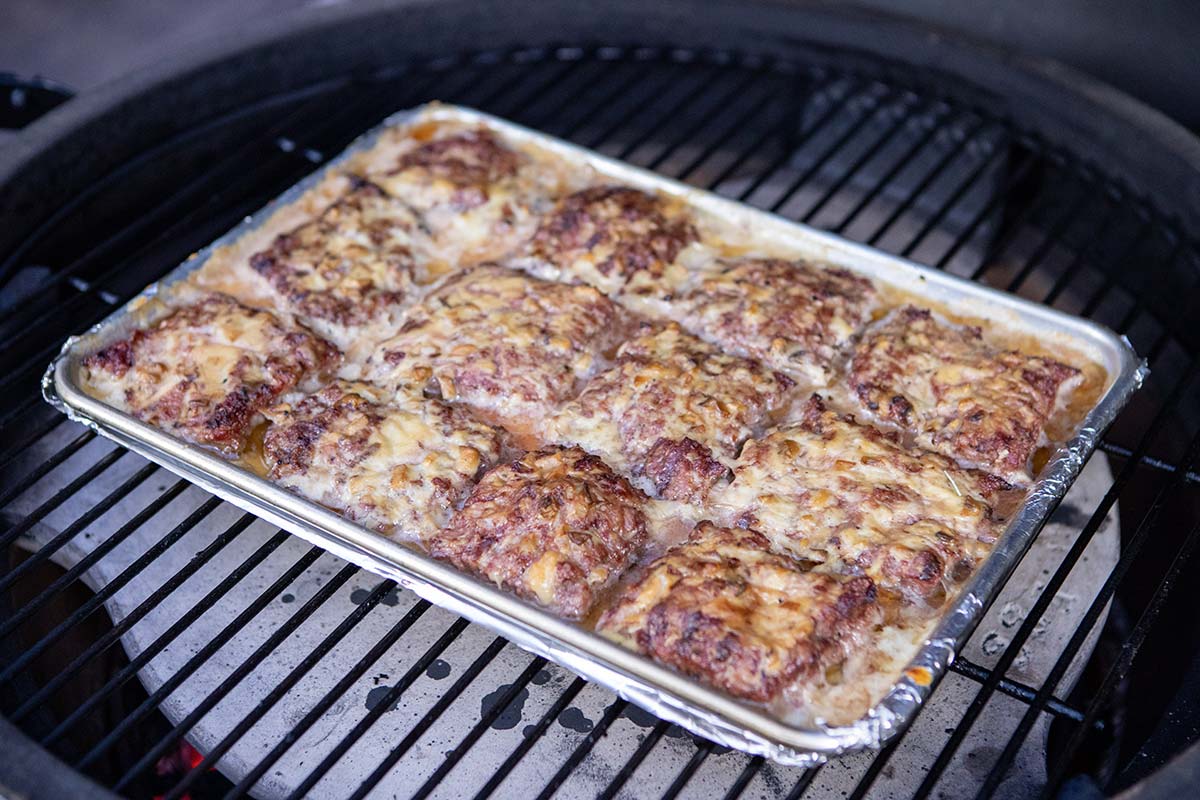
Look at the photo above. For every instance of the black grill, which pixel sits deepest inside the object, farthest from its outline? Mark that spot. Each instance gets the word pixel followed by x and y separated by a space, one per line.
pixel 113 565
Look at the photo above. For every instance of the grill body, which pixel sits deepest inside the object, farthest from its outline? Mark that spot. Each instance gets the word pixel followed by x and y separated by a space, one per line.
pixel 293 672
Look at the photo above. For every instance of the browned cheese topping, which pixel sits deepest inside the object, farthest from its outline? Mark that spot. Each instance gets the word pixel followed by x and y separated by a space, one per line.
pixel 205 371
pixel 393 462
pixel 557 527
pixel 620 240
pixel 671 410
pixel 722 608
pixel 851 497
pixel 477 197
pixel 348 272
pixel 794 316
pixel 498 340
pixel 957 394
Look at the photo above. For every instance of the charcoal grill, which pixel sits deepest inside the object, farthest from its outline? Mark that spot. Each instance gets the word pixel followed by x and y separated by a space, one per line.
pixel 160 643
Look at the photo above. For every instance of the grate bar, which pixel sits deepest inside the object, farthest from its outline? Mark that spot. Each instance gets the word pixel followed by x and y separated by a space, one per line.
pixel 703 748
pixel 581 751
pixel 998 200
pixel 617 89
pixel 485 721
pixel 549 113
pixel 805 780
pixel 171 684
pixel 528 742
pixel 71 531
pixel 876 106
pixel 779 129
pixel 152 600
pixel 873 769
pixel 432 715
pixel 904 161
pixel 1092 250
pixel 935 172
pixel 245 668
pixel 43 553
pixel 95 555
pixel 702 124
pixel 17 450
pixel 1052 586
pixel 1099 603
pixel 1139 303
pixel 284 686
pixel 644 88
pixel 1015 689
pixel 1129 652
pixel 836 106
pixel 665 113
pixel 1060 229
pixel 112 587
pixel 326 702
pixel 635 760
pixel 160 643
pixel 42 470
pixel 959 192
pixel 744 777
pixel 1114 449
pixel 58 498
pixel 385 703
pixel 899 119
pixel 722 135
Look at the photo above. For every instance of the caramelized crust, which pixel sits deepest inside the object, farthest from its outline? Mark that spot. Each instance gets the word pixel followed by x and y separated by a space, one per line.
pixel 849 496
pixel 558 527
pixel 498 340
pixel 794 316
pixel 477 198
pixel 392 462
pixel 348 272
pixel 205 371
pixel 955 393
pixel 671 409
pixel 721 607
pixel 615 238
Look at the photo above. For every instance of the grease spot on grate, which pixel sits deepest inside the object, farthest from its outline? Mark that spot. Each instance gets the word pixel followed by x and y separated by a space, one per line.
pixel 511 715
pixel 573 719
pixel 392 598
pixel 375 697
pixel 438 669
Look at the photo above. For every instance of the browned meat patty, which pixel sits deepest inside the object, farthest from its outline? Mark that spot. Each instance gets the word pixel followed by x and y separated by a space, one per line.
pixel 957 394
pixel 394 462
pixel 722 608
pixel 500 341
pixel 349 272
pixel 830 490
pixel 478 197
pixel 615 238
pixel 794 316
pixel 206 370
pixel 557 527
pixel 671 409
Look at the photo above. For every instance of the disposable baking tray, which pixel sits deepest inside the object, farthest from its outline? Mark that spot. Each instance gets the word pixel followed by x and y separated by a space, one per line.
pixel 674 697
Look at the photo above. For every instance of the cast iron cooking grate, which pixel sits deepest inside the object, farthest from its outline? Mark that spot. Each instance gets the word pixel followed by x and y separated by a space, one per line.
pixel 258 649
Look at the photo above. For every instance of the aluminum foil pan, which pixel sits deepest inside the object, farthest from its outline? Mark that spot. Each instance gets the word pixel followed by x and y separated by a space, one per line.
pixel 660 690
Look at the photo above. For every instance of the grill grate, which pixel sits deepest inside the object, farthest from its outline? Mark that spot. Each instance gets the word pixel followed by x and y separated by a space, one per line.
pixel 871 156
